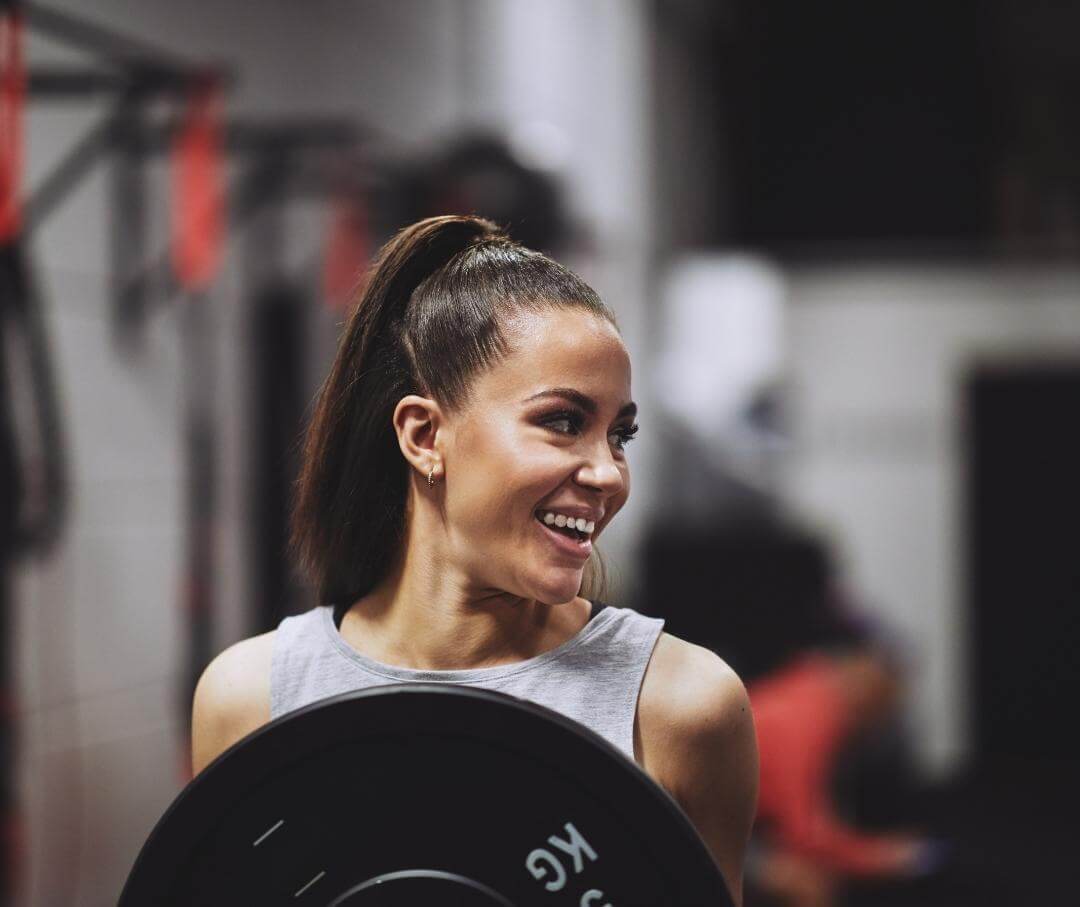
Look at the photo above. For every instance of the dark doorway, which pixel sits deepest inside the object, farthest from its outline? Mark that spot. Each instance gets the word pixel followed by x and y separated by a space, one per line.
pixel 1023 561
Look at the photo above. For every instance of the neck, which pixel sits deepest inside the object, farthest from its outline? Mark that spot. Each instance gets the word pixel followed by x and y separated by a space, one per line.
pixel 426 617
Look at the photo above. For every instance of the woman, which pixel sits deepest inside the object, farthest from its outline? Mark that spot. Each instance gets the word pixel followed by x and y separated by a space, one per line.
pixel 466 451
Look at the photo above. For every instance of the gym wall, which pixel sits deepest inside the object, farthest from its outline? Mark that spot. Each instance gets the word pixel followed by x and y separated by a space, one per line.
pixel 100 625
pixel 880 357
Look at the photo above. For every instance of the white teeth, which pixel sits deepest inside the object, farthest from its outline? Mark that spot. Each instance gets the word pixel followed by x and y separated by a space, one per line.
pixel 550 518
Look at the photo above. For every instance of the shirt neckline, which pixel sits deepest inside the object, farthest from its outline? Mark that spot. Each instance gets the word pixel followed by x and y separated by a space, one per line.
pixel 467 675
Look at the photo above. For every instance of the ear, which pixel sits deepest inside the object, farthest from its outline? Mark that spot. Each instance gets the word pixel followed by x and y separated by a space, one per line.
pixel 417 422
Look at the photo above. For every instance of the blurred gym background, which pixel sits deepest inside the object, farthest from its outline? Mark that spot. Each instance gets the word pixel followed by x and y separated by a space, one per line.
pixel 841 240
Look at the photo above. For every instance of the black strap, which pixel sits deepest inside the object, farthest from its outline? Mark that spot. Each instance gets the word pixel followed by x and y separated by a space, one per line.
pixel 339 614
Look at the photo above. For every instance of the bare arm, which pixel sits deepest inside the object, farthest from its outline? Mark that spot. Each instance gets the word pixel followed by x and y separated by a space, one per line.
pixel 705 749
pixel 232 699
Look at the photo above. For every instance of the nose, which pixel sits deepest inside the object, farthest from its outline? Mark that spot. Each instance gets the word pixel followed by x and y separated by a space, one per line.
pixel 602 473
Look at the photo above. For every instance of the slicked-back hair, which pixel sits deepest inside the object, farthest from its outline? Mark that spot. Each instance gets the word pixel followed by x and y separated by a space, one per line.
pixel 430 318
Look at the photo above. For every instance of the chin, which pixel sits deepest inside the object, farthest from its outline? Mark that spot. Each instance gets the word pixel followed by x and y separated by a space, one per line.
pixel 557 590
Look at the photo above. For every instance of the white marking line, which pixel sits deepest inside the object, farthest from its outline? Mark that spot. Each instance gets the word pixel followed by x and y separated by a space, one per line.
pixel 309 884
pixel 266 834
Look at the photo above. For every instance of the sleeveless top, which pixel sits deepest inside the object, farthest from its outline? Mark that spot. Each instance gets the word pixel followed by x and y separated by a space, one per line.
pixel 593 678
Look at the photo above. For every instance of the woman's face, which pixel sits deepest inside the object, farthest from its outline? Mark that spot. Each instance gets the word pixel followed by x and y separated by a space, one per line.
pixel 542 432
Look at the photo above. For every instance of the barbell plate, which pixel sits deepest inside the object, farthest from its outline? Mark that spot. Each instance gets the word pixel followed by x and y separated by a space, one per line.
pixel 520 801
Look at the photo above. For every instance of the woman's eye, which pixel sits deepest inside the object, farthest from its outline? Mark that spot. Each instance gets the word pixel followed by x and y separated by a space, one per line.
pixel 566 423
pixel 571 424
pixel 624 436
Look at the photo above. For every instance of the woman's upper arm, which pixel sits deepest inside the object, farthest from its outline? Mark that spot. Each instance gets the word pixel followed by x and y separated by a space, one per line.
pixel 232 699
pixel 710 762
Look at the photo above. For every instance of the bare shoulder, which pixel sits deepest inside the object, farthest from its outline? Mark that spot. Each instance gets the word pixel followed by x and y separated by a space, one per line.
pixel 690 689
pixel 232 698
pixel 696 734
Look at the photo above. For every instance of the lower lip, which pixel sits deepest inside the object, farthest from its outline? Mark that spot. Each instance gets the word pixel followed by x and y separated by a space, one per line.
pixel 565 544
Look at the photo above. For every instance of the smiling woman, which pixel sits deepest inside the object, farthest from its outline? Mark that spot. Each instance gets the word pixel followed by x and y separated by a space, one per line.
pixel 467 449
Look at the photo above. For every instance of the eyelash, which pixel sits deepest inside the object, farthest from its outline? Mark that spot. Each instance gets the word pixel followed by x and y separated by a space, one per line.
pixel 626 433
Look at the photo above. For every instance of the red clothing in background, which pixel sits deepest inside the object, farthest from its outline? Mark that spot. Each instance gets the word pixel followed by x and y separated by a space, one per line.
pixel 802 719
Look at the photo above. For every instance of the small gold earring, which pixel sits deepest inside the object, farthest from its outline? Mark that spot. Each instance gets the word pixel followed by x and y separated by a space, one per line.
pixel 431 478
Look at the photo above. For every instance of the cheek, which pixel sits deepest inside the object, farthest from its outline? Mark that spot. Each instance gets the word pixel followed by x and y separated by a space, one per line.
pixel 499 482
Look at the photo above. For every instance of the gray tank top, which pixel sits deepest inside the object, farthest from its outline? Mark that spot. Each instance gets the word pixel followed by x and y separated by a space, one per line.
pixel 593 678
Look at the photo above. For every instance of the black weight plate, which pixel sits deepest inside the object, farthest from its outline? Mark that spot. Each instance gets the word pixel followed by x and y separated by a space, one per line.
pixel 473 793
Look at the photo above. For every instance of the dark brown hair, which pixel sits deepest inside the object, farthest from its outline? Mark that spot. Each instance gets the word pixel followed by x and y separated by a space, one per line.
pixel 428 320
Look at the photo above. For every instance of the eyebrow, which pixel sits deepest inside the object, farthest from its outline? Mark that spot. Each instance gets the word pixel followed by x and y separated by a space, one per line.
pixel 580 399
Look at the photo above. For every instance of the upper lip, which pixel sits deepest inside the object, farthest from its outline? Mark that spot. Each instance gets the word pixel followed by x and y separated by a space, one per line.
pixel 588 513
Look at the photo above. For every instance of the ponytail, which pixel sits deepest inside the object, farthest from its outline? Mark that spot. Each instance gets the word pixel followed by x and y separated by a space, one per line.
pixel 412 255
pixel 428 319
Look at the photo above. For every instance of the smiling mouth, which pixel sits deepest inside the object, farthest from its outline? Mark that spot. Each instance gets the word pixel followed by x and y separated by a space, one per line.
pixel 574 534
pixel 571 541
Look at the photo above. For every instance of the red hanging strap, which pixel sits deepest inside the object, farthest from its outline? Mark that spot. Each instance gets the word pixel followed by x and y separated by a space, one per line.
pixel 347 253
pixel 198 215
pixel 12 99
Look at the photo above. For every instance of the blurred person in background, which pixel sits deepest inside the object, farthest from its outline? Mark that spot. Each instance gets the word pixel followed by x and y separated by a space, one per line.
pixel 825 681
pixel 810 713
